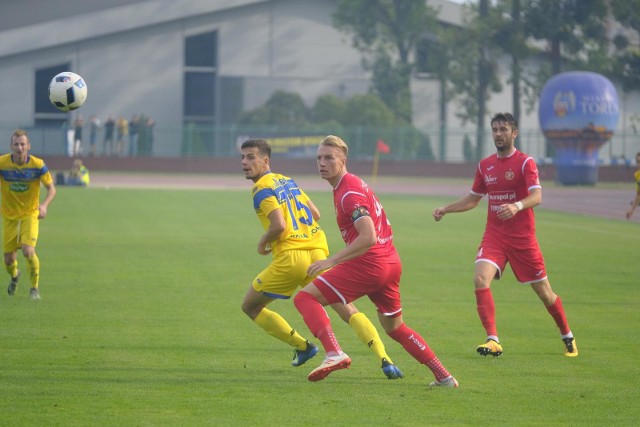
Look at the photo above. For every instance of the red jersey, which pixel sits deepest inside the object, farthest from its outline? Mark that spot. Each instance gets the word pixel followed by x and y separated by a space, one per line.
pixel 352 193
pixel 507 180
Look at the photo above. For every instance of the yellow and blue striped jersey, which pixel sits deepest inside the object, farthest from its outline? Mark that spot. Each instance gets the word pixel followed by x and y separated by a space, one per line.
pixel 276 191
pixel 20 186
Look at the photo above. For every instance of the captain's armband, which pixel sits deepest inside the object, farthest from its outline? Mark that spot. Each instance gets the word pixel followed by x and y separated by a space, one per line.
pixel 359 212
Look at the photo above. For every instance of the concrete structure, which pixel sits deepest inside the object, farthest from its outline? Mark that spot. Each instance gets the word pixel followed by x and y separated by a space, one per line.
pixel 134 54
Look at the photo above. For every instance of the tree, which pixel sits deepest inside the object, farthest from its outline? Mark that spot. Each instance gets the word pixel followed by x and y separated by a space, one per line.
pixel 512 40
pixel 434 57
pixel 282 108
pixel 575 37
pixel 626 66
pixel 328 108
pixel 473 67
pixel 573 30
pixel 367 110
pixel 385 32
pixel 288 109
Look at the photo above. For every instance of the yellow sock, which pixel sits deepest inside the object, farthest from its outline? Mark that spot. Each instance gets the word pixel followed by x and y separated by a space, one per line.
pixel 368 334
pixel 34 270
pixel 276 326
pixel 12 269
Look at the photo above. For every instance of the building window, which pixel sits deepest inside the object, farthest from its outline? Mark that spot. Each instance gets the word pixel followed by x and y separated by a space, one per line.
pixel 200 50
pixel 200 93
pixel 45 113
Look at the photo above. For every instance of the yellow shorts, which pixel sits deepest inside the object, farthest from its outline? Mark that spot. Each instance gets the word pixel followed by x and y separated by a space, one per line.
pixel 287 271
pixel 18 232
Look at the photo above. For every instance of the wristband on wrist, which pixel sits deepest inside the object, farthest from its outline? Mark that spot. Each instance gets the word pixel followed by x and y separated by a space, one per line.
pixel 519 205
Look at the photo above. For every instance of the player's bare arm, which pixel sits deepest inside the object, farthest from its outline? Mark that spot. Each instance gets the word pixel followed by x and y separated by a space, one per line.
pixel 366 238
pixel 315 212
pixel 277 226
pixel 509 210
pixel 466 203
pixel 51 193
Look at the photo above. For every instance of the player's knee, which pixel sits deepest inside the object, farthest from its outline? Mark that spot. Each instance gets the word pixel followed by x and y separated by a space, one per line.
pixel 250 309
pixel 301 299
pixel 395 332
pixel 481 281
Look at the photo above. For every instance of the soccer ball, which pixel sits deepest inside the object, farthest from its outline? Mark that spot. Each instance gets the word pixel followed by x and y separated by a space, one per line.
pixel 67 91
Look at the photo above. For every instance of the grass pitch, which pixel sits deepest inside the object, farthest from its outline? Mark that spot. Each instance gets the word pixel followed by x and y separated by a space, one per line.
pixel 140 323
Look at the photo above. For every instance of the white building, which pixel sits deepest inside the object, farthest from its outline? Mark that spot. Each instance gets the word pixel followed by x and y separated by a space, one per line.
pixel 145 57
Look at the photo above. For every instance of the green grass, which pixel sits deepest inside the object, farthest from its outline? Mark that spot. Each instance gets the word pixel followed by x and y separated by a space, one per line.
pixel 140 323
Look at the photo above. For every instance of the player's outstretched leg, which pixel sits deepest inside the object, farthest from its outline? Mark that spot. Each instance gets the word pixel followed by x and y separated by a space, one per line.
pixel 319 324
pixel 417 347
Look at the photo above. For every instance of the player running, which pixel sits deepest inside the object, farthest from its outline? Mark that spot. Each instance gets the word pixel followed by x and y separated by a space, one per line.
pixel 510 181
pixel 368 266
pixel 20 177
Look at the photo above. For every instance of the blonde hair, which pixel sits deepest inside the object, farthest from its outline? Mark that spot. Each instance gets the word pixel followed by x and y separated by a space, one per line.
pixel 336 142
pixel 18 133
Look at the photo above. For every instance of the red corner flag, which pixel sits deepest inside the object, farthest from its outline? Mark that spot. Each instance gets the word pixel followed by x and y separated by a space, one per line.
pixel 382 147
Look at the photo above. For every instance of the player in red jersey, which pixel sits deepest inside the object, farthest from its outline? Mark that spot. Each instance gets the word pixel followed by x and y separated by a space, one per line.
pixel 368 265
pixel 510 181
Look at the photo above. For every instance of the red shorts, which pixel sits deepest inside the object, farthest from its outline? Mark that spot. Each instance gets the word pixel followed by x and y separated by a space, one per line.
pixel 523 255
pixel 350 280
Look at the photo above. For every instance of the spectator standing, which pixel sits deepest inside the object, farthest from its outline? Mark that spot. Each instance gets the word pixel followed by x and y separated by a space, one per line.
pixel 122 128
pixel 76 148
pixel 134 126
pixel 94 125
pixel 107 143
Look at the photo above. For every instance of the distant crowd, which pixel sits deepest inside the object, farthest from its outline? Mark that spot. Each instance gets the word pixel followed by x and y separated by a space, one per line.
pixel 120 138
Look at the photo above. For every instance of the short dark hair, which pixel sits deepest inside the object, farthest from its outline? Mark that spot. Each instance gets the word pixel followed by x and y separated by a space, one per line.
pixel 263 146
pixel 506 118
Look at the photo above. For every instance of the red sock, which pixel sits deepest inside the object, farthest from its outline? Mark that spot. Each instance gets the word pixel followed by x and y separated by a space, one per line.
pixel 487 310
pixel 317 321
pixel 556 310
pixel 413 343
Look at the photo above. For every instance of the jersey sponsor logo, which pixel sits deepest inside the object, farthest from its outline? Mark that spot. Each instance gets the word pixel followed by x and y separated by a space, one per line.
pixel 383 240
pixel 19 187
pixel 488 179
pixel 509 175
pixel 502 197
pixel 298 236
pixel 498 198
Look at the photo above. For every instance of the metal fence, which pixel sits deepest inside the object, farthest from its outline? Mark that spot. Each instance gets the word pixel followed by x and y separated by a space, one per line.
pixel 405 143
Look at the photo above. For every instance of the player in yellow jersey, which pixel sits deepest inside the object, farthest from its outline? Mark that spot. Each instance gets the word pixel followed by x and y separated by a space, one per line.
pixel 295 240
pixel 20 177
pixel 636 175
